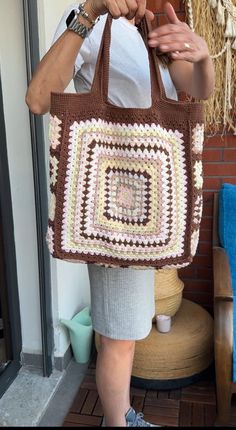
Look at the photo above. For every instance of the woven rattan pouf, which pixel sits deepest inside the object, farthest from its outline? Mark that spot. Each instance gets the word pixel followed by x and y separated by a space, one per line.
pixel 177 358
pixel 168 292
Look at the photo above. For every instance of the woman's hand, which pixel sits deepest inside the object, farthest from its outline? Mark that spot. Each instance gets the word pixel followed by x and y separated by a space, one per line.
pixel 127 8
pixel 178 40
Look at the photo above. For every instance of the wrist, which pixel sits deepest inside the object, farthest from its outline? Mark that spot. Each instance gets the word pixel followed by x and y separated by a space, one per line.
pixel 205 61
pixel 91 11
pixel 80 21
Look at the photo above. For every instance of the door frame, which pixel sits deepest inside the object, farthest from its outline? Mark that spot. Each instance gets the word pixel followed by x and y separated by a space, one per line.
pixel 10 270
pixel 32 50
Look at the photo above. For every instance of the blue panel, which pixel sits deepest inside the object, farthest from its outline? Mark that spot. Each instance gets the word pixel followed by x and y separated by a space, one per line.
pixel 227 235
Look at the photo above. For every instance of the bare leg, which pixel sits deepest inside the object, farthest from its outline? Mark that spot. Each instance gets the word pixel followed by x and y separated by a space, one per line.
pixel 113 373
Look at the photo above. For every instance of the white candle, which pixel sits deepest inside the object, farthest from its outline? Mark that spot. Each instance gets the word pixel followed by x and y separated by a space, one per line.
pixel 163 323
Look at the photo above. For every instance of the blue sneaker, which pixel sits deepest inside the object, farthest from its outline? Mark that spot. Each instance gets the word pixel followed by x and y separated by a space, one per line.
pixel 134 420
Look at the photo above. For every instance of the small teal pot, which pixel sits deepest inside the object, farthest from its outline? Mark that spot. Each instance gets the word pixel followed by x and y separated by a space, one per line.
pixel 81 334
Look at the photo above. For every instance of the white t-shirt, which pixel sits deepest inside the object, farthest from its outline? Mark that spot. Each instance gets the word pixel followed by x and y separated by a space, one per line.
pixel 129 80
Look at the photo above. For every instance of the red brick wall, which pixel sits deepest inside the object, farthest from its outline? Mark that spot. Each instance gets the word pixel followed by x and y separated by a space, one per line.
pixel 219 165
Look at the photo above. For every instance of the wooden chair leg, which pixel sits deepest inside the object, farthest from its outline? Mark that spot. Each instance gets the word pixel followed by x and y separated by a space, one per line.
pixel 224 397
pixel 223 359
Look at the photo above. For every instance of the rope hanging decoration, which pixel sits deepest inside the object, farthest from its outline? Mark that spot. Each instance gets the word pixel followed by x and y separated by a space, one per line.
pixel 215 20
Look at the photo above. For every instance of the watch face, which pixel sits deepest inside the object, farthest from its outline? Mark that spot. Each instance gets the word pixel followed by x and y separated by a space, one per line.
pixel 70 17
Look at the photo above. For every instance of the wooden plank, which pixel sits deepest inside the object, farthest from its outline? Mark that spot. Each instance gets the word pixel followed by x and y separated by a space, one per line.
pixel 79 400
pixel 199 389
pixel 185 414
pixel 162 420
pixel 197 415
pixel 163 394
pixel 89 403
pixel 162 403
pixel 98 410
pixel 210 415
pixel 200 393
pixel 151 394
pixel 137 392
pixel 89 382
pixel 83 419
pixel 175 394
pixel 164 412
pixel 222 275
pixel 199 398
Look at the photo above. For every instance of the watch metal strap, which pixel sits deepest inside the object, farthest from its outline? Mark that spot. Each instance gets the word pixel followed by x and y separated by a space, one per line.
pixel 79 28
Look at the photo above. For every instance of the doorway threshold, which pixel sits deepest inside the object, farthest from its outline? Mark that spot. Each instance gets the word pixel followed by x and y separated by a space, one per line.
pixel 65 394
pixel 27 398
pixel 33 400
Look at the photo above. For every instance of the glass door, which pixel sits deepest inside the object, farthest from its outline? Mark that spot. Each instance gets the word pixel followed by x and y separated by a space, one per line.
pixel 5 334
pixel 10 325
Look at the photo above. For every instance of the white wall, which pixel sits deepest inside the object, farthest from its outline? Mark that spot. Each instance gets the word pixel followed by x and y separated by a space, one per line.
pixel 13 74
pixel 69 280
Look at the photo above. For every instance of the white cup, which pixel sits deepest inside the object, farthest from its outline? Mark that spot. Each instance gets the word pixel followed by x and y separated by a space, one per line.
pixel 163 323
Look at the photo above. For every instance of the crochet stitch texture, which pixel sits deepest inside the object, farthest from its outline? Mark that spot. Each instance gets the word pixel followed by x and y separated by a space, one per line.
pixel 125 184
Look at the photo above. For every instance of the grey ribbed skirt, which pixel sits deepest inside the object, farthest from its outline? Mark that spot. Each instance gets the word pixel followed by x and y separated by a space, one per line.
pixel 122 301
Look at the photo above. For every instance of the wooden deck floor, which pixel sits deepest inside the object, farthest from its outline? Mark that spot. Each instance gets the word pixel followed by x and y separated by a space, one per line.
pixel 192 406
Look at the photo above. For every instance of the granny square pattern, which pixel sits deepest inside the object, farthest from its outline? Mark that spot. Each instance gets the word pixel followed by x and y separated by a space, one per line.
pixel 125 183
pixel 125 195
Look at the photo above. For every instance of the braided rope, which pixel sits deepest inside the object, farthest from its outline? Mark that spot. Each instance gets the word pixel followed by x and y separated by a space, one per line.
pixel 220 53
pixel 231 9
pixel 228 81
pixel 190 13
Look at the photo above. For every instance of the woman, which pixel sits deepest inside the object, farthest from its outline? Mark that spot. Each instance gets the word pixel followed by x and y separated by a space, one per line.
pixel 122 300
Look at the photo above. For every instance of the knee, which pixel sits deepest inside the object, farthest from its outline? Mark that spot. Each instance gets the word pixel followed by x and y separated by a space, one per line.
pixel 118 346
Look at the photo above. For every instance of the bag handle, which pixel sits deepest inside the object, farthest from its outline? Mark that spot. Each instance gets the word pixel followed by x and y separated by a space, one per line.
pixel 101 76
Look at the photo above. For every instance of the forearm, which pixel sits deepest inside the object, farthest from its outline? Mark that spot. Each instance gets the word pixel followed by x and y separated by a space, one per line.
pixel 54 72
pixel 203 79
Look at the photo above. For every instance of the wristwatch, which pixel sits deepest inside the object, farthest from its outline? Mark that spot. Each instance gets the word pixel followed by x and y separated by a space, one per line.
pixel 76 26
pixel 73 23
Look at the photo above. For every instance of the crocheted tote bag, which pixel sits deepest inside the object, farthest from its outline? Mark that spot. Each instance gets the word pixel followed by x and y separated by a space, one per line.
pixel 125 183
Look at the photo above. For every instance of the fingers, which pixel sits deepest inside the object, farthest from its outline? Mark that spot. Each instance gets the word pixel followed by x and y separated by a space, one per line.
pixel 150 15
pixel 140 11
pixel 165 30
pixel 172 39
pixel 170 12
pixel 117 8
pixel 170 33
pixel 132 9
pixel 126 8
pixel 172 47
pixel 171 44
pixel 184 56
